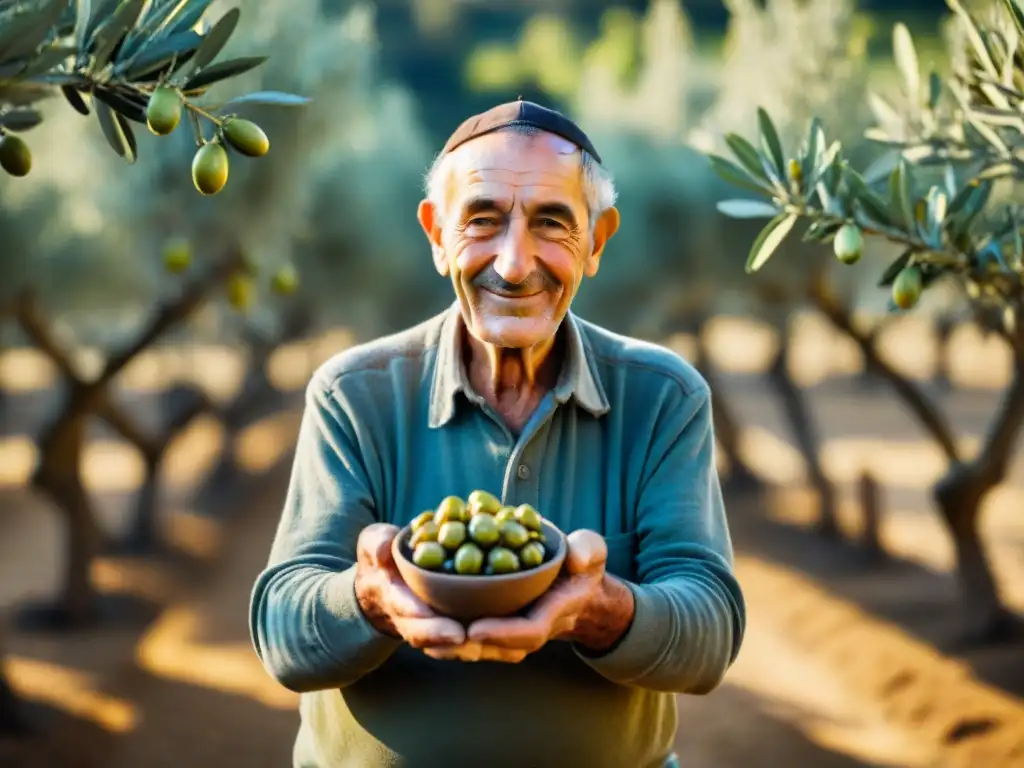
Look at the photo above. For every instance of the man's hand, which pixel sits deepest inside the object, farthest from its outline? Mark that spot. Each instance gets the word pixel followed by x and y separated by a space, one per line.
pixel 586 605
pixel 388 603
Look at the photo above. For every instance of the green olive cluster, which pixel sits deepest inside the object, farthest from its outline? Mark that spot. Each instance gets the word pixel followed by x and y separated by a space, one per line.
pixel 210 164
pixel 478 536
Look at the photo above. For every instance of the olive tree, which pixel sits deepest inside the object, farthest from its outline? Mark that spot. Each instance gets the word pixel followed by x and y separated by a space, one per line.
pixel 127 62
pixel 792 57
pixel 946 191
pixel 316 207
pixel 667 191
pixel 106 57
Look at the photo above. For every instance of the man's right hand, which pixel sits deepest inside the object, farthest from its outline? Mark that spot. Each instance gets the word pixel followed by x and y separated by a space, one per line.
pixel 388 603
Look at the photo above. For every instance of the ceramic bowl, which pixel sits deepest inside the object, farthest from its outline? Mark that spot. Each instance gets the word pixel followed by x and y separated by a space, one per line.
pixel 472 597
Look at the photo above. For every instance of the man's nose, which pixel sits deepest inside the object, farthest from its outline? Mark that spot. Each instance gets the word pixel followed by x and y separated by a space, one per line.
pixel 516 260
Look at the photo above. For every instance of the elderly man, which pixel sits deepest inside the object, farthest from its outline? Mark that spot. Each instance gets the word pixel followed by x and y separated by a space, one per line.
pixel 611 438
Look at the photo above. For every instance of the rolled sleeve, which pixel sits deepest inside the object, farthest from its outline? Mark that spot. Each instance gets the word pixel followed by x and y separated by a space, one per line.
pixel 305 621
pixel 689 615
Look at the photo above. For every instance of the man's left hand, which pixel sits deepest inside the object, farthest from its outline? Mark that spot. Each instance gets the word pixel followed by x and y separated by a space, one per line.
pixel 586 605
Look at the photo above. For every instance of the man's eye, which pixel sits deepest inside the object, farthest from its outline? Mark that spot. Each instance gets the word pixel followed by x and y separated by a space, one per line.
pixel 551 223
pixel 481 221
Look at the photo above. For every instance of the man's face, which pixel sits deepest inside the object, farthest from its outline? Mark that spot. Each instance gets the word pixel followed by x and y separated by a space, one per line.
pixel 516 239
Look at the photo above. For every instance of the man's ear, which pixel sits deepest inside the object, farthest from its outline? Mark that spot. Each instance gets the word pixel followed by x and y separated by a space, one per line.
pixel 430 221
pixel 607 225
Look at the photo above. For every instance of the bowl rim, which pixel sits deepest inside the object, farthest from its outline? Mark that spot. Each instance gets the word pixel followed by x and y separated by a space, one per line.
pixel 555 562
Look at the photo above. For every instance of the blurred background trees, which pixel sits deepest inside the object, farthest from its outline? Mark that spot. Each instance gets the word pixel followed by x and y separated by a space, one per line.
pixel 947 193
pixel 315 245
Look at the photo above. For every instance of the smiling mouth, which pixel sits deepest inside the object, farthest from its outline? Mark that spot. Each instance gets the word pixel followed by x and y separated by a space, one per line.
pixel 507 295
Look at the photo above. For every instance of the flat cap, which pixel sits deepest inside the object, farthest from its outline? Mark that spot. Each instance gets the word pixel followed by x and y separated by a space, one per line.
pixel 520 113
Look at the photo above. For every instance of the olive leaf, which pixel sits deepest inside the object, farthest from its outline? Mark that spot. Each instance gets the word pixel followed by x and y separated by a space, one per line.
pixel 111 33
pixel 971 30
pixel 748 156
pixel 270 98
pixel 821 230
pixel 770 141
pixel 116 131
pixel 874 206
pixel 747 209
pixel 20 119
pixel 26 30
pixel 769 240
pixel 47 59
pixel 1016 11
pixel 934 89
pixel 134 110
pixel 214 40
pixel 809 162
pixel 102 9
pixel 889 275
pixel 178 47
pixel 905 55
pixel 74 98
pixel 223 71
pixel 188 14
pixel 883 111
pixel 730 172
pixel 83 11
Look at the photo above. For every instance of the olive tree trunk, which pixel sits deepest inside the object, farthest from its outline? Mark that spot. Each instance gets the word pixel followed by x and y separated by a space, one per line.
pixel 58 475
pixel 727 429
pixel 803 424
pixel 257 398
pixel 181 406
pixel 945 325
pixel 960 494
pixel 12 712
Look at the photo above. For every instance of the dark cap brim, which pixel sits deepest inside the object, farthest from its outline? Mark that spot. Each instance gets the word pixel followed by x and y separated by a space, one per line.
pixel 523 113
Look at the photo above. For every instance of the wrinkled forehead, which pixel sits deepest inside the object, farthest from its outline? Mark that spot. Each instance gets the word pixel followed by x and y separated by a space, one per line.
pixel 518 170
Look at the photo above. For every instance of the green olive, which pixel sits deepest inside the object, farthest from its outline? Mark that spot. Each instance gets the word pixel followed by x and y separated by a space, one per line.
pixel 528 517
pixel 469 560
pixel 429 555
pixel 483 529
pixel 421 519
pixel 502 560
pixel 848 244
pixel 451 508
pixel 452 534
pixel 532 554
pixel 482 501
pixel 537 536
pixel 513 535
pixel 426 532
pixel 505 513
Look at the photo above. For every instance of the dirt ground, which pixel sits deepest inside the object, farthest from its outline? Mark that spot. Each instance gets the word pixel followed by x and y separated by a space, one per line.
pixel 844 664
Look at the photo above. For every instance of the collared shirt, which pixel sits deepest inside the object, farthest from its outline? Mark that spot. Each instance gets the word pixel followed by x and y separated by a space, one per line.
pixel 623 445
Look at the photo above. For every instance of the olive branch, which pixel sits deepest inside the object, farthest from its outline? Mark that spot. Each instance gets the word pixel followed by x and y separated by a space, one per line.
pixel 948 149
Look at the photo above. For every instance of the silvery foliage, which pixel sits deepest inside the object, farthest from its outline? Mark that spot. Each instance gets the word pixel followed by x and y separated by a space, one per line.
pixel 946 148
pixel 99 58
pixel 330 181
pixel 653 133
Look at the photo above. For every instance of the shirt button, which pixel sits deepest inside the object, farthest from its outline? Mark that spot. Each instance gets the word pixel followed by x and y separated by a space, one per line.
pixel 523 472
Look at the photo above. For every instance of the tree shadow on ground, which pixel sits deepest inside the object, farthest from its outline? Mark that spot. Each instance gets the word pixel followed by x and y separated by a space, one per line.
pixel 199 727
pixel 57 739
pixel 735 728
pixel 920 601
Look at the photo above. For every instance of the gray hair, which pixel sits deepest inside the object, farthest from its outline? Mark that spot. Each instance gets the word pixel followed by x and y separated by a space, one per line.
pixel 598 186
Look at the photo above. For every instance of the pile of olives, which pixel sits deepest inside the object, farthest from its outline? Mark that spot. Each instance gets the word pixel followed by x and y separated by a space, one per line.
pixel 478 536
